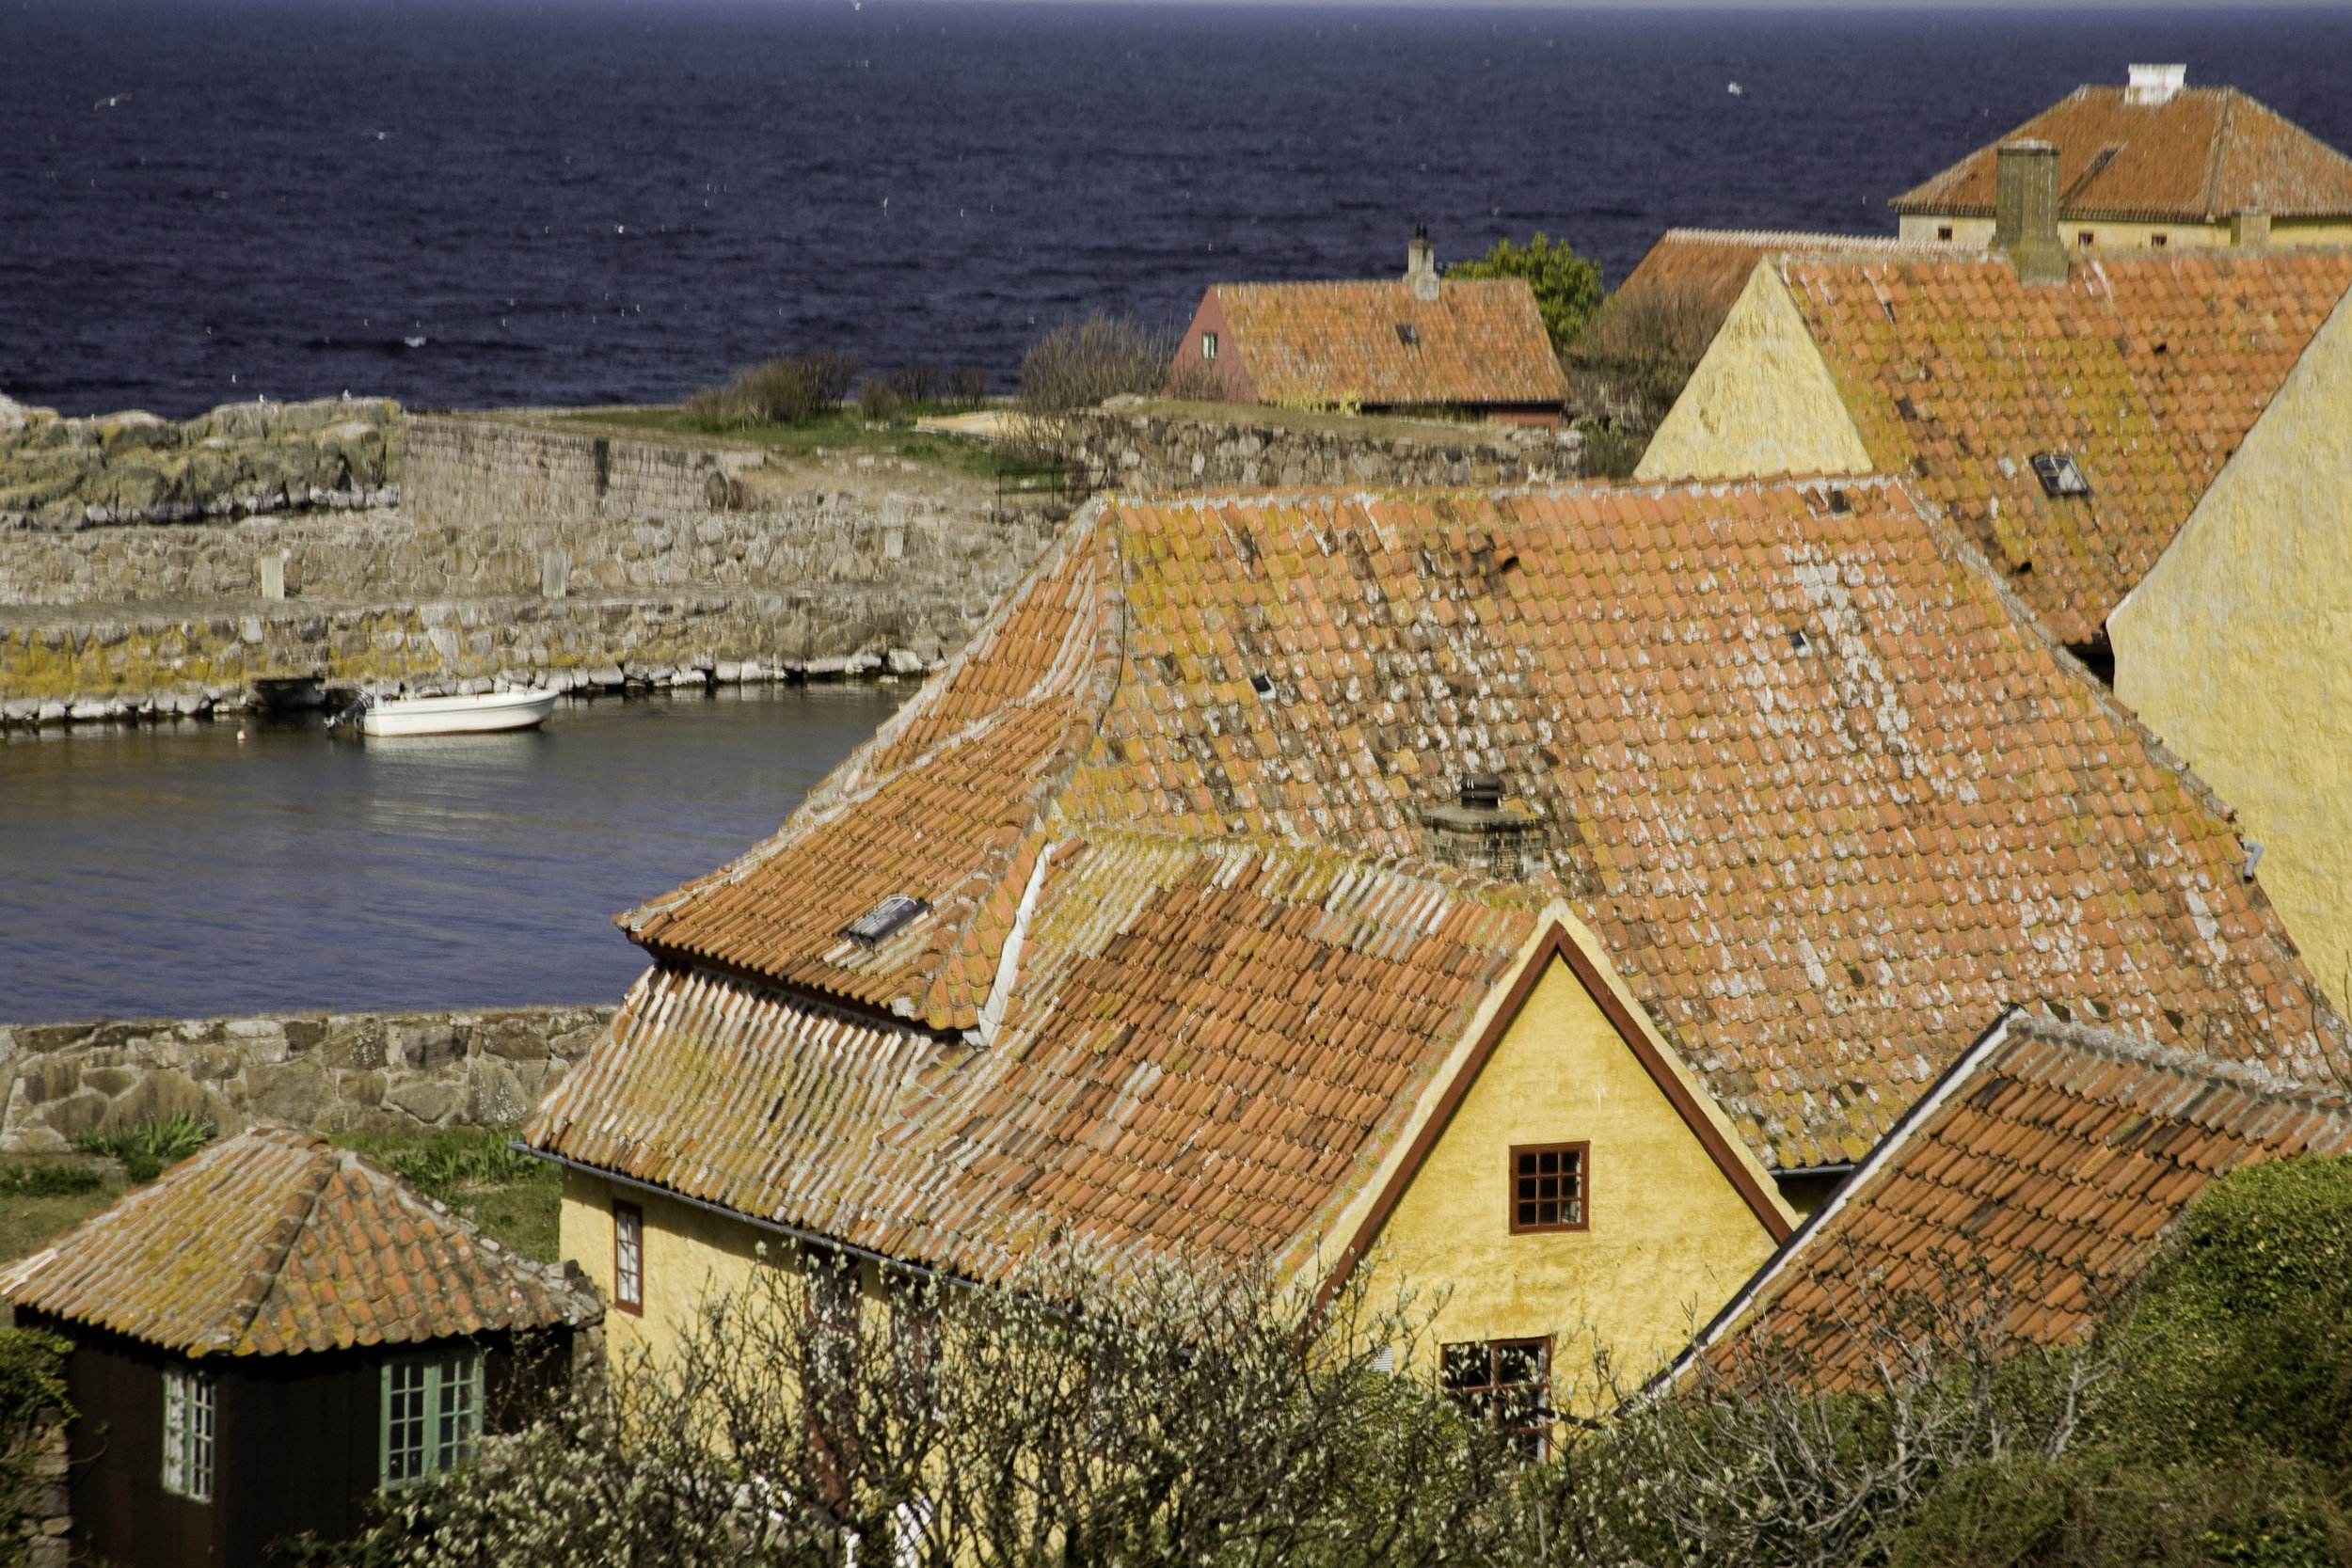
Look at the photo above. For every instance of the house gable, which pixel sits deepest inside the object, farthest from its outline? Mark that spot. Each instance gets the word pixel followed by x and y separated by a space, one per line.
pixel 2231 648
pixel 1193 358
pixel 1762 401
pixel 1680 1212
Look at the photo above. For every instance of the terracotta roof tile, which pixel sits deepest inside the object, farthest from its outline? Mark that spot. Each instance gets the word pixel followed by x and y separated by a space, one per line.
pixel 271 1243
pixel 1710 266
pixel 2148 370
pixel 2199 156
pixel 2121 1133
pixel 1478 343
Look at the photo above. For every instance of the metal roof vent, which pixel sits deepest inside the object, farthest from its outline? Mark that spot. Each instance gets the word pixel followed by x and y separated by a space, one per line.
pixel 1482 791
pixel 884 920
pixel 2154 84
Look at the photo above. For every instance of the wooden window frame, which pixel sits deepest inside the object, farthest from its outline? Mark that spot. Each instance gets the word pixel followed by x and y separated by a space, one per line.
pixel 1526 1424
pixel 191 1433
pixel 446 1385
pixel 1208 345
pixel 1584 1152
pixel 628 1258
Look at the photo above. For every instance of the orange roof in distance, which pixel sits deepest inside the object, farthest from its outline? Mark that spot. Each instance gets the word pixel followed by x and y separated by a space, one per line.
pixel 2147 367
pixel 2199 155
pixel 272 1242
pixel 1710 266
pixel 1478 343
pixel 2057 1156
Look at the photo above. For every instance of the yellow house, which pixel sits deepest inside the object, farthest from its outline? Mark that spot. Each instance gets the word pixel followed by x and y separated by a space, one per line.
pixel 1547 894
pixel 2151 453
pixel 2156 165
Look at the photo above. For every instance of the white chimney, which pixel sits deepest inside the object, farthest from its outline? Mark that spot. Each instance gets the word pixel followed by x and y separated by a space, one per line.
pixel 1420 265
pixel 2154 84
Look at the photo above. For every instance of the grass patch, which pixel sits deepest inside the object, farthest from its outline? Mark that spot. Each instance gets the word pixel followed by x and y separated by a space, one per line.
pixel 512 1197
pixel 839 432
pixel 42 1196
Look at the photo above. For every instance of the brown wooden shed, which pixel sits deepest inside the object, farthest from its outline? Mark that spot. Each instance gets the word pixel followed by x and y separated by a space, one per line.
pixel 271 1332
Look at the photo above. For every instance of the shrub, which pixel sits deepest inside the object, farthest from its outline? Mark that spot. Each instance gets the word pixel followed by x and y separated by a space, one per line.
pixel 1567 286
pixel 1611 450
pixel 32 1378
pixel 145 1148
pixel 917 383
pixel 968 386
pixel 878 400
pixel 1080 364
pixel 458 1157
pixel 47 1178
pixel 784 390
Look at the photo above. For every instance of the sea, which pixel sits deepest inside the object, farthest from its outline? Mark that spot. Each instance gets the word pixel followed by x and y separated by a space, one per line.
pixel 464 204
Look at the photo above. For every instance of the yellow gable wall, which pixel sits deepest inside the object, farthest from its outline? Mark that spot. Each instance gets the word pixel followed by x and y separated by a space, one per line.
pixel 2234 648
pixel 1761 402
pixel 1669 1239
pixel 691 1254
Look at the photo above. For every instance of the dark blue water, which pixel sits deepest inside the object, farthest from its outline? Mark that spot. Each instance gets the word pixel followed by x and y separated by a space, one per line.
pixel 183 874
pixel 585 201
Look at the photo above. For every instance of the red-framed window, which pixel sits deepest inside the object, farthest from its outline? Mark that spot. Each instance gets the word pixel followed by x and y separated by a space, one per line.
pixel 1507 1383
pixel 628 1258
pixel 1550 1188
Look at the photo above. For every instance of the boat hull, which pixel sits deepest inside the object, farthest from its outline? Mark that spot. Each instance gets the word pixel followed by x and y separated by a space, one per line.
pixel 497 710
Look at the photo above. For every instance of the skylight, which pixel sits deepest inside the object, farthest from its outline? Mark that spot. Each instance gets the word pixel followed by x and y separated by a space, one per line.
pixel 2059 475
pixel 1407 334
pixel 879 923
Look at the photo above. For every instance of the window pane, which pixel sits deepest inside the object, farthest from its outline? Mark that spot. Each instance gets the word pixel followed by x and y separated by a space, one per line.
pixel 200 1389
pixel 457 1399
pixel 1465 1366
pixel 628 1255
pixel 1522 1363
pixel 176 1432
pixel 404 1422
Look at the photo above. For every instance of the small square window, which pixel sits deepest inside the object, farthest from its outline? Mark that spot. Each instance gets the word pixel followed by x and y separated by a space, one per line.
pixel 628 1258
pixel 189 1424
pixel 1943 230
pixel 1547 1187
pixel 2157 241
pixel 431 1414
pixel 1507 1382
pixel 2059 475
pixel 1208 345
pixel 2088 237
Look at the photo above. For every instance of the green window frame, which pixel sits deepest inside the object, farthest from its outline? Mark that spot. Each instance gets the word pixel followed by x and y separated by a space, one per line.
pixel 191 1421
pixel 429 1414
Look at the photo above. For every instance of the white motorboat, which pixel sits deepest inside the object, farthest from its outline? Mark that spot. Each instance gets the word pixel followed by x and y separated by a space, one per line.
pixel 489 710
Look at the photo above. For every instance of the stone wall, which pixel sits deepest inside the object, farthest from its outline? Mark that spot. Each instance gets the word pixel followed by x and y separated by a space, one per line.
pixel 1130 444
pixel 512 559
pixel 320 1071
pixel 240 460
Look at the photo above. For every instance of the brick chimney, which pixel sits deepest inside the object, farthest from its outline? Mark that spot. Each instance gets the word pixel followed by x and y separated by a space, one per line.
pixel 1420 263
pixel 2026 211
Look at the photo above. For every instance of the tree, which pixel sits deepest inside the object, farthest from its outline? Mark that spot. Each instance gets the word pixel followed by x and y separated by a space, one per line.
pixel 1567 285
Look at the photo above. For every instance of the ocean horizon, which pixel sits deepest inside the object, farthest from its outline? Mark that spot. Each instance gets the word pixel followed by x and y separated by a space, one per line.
pixel 610 202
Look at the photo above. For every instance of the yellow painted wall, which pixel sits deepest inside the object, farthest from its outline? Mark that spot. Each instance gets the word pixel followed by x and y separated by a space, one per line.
pixel 691 1254
pixel 2237 648
pixel 1669 1240
pixel 1761 402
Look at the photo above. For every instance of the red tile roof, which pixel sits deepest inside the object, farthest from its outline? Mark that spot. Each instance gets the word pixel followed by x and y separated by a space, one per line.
pixel 1821 868
pixel 1209 1047
pixel 2199 156
pixel 1710 266
pixel 1479 343
pixel 271 1244
pixel 2057 1155
pixel 2147 368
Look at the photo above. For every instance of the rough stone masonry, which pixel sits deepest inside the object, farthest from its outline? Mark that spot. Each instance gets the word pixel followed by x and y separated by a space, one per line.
pixel 325 1072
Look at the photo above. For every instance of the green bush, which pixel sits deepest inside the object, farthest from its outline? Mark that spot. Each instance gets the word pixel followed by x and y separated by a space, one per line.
pixel 1567 285
pixel 458 1157
pixel 784 390
pixel 146 1149
pixel 48 1179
